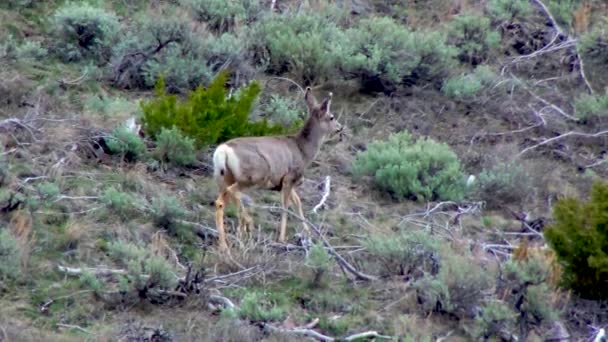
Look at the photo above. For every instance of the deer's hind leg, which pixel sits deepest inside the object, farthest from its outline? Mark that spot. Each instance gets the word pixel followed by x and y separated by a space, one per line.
pixel 296 200
pixel 245 220
pixel 220 204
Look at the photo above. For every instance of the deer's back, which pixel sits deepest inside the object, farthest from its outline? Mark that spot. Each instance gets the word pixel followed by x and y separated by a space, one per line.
pixel 264 161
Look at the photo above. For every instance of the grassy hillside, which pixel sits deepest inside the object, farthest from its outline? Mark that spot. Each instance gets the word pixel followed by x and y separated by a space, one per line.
pixel 460 203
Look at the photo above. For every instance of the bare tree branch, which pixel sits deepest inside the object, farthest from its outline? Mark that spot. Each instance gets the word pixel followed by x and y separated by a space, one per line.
pixel 559 137
pixel 326 190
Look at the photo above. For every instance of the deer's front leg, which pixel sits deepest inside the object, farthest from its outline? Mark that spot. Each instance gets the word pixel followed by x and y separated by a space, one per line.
pixel 298 203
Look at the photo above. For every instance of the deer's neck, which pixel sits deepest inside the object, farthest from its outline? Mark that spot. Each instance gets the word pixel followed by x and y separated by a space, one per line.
pixel 309 140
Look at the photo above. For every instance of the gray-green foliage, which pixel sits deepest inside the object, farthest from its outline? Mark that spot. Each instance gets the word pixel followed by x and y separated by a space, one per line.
pixel 588 106
pixel 310 46
pixel 166 210
pixel 121 203
pixel 562 10
pixel 457 288
pixel 256 308
pixel 528 280
pixel 90 280
pixel 319 261
pixel 405 168
pixel 502 183
pixel 10 255
pixel 170 49
pixel 29 50
pixel 507 10
pixel 380 47
pixel 174 148
pixel 401 253
pixel 594 45
pixel 222 15
pixel 124 142
pixel 82 31
pixel 467 85
pixel 473 36
pixel 494 318
pixel 47 190
pixel 283 110
pixel 143 268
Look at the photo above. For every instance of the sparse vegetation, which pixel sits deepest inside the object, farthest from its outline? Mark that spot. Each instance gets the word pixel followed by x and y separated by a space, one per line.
pixel 110 111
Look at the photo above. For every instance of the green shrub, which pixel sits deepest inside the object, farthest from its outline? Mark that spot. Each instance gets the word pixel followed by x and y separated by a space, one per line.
pixel 283 110
pixel 256 308
pixel 467 85
pixel 208 115
pixel 562 10
pixel 124 142
pixel 473 36
pixel 144 270
pixel 10 255
pixel 508 10
pixel 404 252
pixel 381 48
pixel 456 289
pixel 174 148
pixel 495 318
pixel 84 32
pixel 121 203
pixel 310 46
pixel 223 16
pixel 502 183
pixel 579 238
pixel 319 261
pixel 423 169
pixel 531 296
pixel 47 190
pixel 588 106
pixel 594 45
pixel 155 46
pixel 166 211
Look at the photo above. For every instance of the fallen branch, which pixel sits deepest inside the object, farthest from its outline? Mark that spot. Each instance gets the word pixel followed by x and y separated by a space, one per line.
pixel 72 326
pixel 559 137
pixel 71 271
pixel 326 190
pixel 222 300
pixel 321 337
pixel 559 32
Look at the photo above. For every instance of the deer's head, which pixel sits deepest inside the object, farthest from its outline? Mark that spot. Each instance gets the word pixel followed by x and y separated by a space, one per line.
pixel 322 114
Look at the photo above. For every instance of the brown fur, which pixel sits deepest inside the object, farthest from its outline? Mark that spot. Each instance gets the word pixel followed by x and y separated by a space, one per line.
pixel 580 22
pixel 274 163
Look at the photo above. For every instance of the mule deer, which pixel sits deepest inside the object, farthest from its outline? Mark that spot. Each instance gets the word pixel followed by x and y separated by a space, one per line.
pixel 275 163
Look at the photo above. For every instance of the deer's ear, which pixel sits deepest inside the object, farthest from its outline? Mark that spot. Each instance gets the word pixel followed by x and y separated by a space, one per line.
pixel 326 104
pixel 311 102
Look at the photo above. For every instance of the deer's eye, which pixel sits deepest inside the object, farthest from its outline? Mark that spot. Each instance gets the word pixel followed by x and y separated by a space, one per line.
pixel 331 118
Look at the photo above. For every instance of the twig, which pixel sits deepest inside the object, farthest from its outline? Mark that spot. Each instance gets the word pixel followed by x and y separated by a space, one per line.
pixel 223 300
pixel 326 190
pixel 71 271
pixel 303 332
pixel 72 326
pixel 291 81
pixel 321 337
pixel 225 276
pixel 559 137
